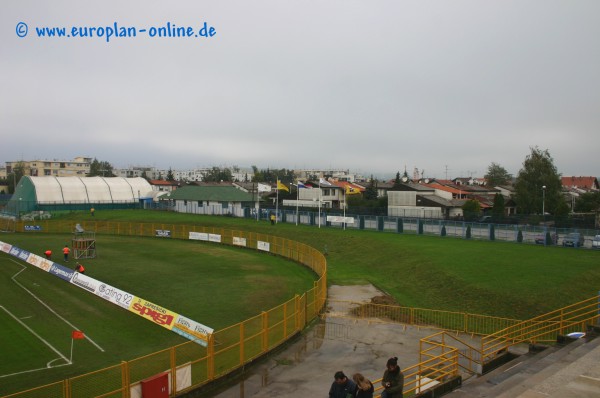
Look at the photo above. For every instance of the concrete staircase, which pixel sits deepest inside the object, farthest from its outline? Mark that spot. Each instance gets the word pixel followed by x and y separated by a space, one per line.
pixel 567 371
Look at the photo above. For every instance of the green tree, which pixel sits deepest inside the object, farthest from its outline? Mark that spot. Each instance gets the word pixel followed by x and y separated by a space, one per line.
pixel 217 174
pixel 471 209
pixel 498 209
pixel 397 181
pixel 170 176
pixel 497 175
pixel 371 190
pixel 17 172
pixel 538 184
pixel 100 168
pixel 588 202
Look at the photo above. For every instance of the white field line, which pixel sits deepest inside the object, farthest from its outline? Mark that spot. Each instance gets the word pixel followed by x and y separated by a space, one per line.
pixel 48 365
pixel 48 307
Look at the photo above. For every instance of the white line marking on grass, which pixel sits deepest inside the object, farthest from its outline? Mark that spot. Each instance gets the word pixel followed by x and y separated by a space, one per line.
pixel 68 362
pixel 48 307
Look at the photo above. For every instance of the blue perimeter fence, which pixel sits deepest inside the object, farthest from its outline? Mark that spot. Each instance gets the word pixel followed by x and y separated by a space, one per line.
pixel 518 233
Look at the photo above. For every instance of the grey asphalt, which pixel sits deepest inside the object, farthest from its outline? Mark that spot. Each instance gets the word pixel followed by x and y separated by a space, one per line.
pixel 306 367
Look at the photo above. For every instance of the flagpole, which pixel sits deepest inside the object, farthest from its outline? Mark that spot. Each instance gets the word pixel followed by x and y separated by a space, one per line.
pixel 277 203
pixel 319 203
pixel 71 360
pixel 345 208
pixel 297 200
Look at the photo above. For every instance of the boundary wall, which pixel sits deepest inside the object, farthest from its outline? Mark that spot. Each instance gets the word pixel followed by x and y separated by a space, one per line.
pixel 189 366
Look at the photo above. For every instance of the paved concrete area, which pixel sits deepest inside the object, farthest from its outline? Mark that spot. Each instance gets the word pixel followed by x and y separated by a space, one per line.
pixel 306 368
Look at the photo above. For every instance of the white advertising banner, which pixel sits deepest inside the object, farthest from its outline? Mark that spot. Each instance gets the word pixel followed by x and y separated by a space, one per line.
pixel 265 246
pixel 198 236
pixel 214 238
pixel 114 295
pixel 239 241
pixel 347 220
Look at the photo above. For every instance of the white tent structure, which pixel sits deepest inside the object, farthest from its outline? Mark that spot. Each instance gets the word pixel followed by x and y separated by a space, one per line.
pixel 56 190
pixel 35 193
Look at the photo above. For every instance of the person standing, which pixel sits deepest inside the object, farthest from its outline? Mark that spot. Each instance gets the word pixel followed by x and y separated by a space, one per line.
pixel 92 210
pixel 364 387
pixel 393 380
pixel 66 252
pixel 342 387
pixel 48 254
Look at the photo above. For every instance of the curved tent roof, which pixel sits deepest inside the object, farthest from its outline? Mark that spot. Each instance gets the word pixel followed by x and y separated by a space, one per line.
pixel 58 190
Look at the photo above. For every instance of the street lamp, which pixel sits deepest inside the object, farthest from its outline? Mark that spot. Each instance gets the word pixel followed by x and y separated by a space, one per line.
pixel 544 202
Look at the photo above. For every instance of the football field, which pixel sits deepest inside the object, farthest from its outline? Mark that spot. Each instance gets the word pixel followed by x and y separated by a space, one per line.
pixel 201 280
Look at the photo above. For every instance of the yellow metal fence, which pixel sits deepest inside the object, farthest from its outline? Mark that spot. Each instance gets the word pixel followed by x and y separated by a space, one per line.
pixel 191 365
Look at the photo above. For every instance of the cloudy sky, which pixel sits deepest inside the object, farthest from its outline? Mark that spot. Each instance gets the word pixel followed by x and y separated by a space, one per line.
pixel 372 86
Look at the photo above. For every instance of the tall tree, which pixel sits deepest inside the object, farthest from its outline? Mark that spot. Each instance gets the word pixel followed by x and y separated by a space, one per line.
pixel 18 171
pixel 538 186
pixel 587 202
pixel 371 190
pixel 471 209
pixel 170 176
pixel 397 181
pixel 217 174
pixel 497 175
pixel 498 209
pixel 100 168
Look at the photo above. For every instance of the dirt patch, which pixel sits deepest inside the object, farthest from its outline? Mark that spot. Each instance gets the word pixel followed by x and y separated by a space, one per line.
pixel 384 300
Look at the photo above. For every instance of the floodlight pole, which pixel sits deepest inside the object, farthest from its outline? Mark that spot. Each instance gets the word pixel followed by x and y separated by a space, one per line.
pixel 544 203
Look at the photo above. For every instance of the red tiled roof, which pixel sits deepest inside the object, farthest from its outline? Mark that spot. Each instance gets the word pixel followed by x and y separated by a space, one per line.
pixel 162 182
pixel 580 182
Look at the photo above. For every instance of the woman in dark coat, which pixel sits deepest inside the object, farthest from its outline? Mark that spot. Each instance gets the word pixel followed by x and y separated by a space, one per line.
pixel 364 387
pixel 393 380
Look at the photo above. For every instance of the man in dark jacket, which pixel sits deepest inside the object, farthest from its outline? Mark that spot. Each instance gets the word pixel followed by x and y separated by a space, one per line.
pixel 342 387
pixel 393 380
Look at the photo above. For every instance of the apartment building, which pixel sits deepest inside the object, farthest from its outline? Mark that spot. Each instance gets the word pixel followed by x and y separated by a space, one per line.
pixel 78 167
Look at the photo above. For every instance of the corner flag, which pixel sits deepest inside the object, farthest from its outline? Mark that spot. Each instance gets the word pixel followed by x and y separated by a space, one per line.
pixel 77 334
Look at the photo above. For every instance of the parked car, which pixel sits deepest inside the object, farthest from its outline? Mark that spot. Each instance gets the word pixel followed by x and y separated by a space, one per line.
pixel 541 239
pixel 596 242
pixel 574 239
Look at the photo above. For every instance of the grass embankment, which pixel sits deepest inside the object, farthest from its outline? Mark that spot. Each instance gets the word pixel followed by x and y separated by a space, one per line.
pixel 494 278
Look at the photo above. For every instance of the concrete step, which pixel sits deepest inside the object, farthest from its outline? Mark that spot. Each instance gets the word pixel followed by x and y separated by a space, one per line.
pixel 531 373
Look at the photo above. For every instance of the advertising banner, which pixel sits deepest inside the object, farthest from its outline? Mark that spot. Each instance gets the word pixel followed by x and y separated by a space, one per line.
pixel 114 295
pixel 214 238
pixel 5 247
pixel 192 330
pixel 239 241
pixel 347 220
pixel 62 272
pixel 198 236
pixel 33 227
pixel 153 312
pixel 163 233
pixel 85 282
pixel 40 262
pixel 265 246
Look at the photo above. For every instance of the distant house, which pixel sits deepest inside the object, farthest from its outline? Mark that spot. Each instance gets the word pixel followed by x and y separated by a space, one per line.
pixel 209 199
pixel 164 186
pixel 580 183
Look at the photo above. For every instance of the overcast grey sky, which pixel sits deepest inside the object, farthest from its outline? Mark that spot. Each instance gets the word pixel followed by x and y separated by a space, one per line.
pixel 372 86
